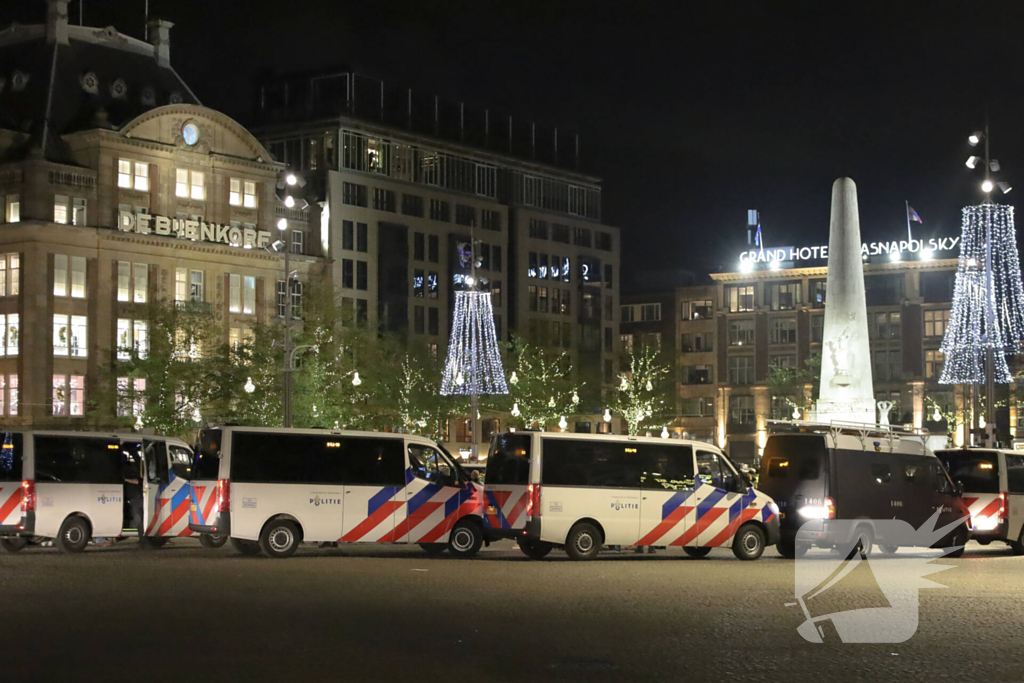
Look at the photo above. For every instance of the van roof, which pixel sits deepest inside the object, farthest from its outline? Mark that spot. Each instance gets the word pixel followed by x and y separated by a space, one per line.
pixel 59 432
pixel 870 442
pixel 619 437
pixel 325 432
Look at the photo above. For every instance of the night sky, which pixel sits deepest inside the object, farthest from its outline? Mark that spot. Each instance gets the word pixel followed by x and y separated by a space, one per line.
pixel 691 114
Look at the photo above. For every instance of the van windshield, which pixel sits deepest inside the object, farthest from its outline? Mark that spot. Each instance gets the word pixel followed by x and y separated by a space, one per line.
pixel 978 471
pixel 207 460
pixel 508 461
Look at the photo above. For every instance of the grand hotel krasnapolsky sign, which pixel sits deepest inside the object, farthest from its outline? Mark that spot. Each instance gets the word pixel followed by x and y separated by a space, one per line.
pixel 188 229
pixel 934 246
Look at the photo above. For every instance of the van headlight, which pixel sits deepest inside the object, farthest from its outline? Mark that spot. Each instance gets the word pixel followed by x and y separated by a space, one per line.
pixel 773 507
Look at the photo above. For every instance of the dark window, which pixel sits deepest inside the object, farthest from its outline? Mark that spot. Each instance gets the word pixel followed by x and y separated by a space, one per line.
pixel 440 210
pixel 79 460
pixel 353 194
pixel 383 200
pixel 361 275
pixel 266 457
pixel 362 309
pixel 432 251
pixel 10 457
pixel 347 233
pixel 560 233
pixel 490 220
pixel 884 290
pixel 590 463
pixel 608 277
pixel 412 205
pixel 913 474
pixel 978 471
pixel 666 467
pixel 1014 473
pixel 428 464
pixel 418 319
pixel 937 287
pixel 465 215
pixel 432 321
pixel 818 291
pixel 508 462
pixel 181 461
pixel 361 237
pixel 496 258
pixel 347 268
pixel 791 455
pixel 418 246
pixel 538 229
pixel 207 462
pixel 604 241
pixel 881 473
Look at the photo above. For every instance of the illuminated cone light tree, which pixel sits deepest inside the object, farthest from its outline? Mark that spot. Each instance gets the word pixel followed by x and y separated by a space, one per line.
pixel 473 365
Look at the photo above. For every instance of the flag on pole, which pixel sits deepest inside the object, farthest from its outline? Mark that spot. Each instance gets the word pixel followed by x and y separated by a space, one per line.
pixel 757 236
pixel 912 215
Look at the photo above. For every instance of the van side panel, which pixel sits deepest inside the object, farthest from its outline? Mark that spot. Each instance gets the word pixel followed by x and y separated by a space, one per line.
pixel 203 503
pixel 101 504
pixel 10 503
pixel 170 516
pixel 507 482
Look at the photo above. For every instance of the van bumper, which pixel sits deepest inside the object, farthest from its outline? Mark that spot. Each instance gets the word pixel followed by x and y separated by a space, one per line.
pixel 221 528
pixel 773 530
pixel 27 527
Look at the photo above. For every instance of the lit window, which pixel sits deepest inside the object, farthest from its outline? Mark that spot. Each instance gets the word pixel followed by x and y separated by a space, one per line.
pixel 141 177
pixel 69 395
pixel 60 209
pixel 141 282
pixel 141 337
pixel 124 341
pixel 137 181
pixel 196 286
pixel 12 395
pixel 181 183
pixel 79 336
pixel 124 277
pixel 198 190
pixel 235 192
pixel 124 173
pixel 77 277
pixel 70 335
pixel 78 206
pixel 181 284
pixel 249 294
pixel 13 208
pixel 12 333
pixel 242 193
pixel 60 275
pixel 235 290
pixel 13 274
pixel 234 338
pixel 296 241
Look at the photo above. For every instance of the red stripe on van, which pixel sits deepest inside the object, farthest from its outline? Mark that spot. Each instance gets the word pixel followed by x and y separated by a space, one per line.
pixel 665 525
pixel 13 502
pixel 990 509
pixel 379 515
pixel 409 523
pixel 176 515
pixel 702 524
pixel 731 528
pixel 210 502
pixel 517 509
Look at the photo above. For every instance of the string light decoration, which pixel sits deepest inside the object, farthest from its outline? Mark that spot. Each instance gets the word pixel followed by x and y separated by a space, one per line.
pixel 7 456
pixel 541 386
pixel 968 335
pixel 473 365
pixel 637 398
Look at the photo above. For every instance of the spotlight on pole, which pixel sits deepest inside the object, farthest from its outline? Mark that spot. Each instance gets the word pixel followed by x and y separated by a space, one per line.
pixel 994 165
pixel 986 186
pixel 973 161
pixel 975 137
pixel 1004 186
pixel 291 179
pixel 282 224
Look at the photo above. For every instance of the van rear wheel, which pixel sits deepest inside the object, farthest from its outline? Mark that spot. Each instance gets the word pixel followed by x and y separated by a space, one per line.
pixel 13 544
pixel 888 548
pixel 695 551
pixel 748 543
pixel 791 550
pixel 465 539
pixel 243 547
pixel 73 536
pixel 533 548
pixel 212 541
pixel 280 538
pixel 584 542
pixel 957 541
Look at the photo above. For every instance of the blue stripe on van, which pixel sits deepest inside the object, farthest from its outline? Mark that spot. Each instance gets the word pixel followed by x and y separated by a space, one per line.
pixel 425 494
pixel 709 502
pixel 453 502
pixel 381 497
pixel 493 502
pixel 673 503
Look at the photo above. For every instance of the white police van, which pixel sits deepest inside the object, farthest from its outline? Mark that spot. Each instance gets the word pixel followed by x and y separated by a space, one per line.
pixel 277 488
pixel 992 482
pixel 69 486
pixel 584 491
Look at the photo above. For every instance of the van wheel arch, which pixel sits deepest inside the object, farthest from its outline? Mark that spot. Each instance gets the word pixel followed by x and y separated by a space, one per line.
pixel 271 544
pixel 72 545
pixel 284 516
pixel 586 520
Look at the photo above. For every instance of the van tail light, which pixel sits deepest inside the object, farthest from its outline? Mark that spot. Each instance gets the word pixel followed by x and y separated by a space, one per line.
pixel 28 495
pixel 830 509
pixel 1002 507
pixel 223 495
pixel 533 501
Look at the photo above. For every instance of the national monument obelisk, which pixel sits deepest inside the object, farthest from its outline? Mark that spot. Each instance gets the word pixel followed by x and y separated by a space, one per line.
pixel 846 392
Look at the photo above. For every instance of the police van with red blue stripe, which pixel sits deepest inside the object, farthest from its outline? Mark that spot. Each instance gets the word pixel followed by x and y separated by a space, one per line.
pixel 582 492
pixel 70 487
pixel 993 491
pixel 278 488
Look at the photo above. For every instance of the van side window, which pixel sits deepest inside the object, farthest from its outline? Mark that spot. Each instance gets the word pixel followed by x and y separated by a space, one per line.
pixel 10 457
pixel 276 458
pixel 567 462
pixel 76 459
pixel 709 469
pixel 912 474
pixel 666 468
pixel 426 463
pixel 1014 473
pixel 181 461
pixel 942 481
pixel 881 473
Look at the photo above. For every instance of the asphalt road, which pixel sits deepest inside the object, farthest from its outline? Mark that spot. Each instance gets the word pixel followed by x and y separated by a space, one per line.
pixel 366 613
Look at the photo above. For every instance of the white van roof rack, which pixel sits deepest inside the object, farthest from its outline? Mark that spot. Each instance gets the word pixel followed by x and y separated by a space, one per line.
pixel 840 427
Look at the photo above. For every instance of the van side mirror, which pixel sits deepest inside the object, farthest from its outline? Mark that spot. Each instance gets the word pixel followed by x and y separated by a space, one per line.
pixel 958 489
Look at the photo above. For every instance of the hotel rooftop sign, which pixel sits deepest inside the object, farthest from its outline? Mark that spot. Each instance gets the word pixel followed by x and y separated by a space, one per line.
pixel 935 247
pixel 189 229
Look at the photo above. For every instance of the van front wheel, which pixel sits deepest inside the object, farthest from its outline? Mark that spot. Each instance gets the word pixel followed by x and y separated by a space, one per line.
pixel 243 547
pixel 465 539
pixel 749 542
pixel 696 552
pixel 584 542
pixel 73 535
pixel 280 538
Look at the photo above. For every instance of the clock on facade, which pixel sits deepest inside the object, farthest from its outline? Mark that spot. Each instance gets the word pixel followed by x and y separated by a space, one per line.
pixel 190 133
